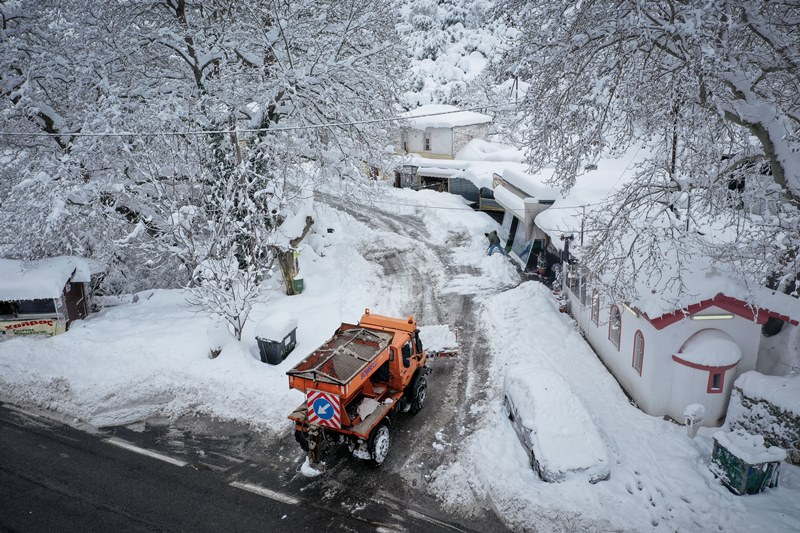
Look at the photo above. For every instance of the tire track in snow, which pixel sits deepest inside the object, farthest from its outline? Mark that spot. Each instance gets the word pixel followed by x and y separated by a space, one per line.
pixel 456 395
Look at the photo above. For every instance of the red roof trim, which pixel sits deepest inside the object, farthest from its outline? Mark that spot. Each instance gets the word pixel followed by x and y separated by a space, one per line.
pixel 732 305
pixel 703 367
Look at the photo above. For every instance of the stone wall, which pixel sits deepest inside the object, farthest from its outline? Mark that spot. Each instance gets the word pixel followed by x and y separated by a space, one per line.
pixel 760 417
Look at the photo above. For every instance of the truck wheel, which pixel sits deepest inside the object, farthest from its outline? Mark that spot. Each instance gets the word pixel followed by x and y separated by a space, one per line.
pixel 379 443
pixel 418 395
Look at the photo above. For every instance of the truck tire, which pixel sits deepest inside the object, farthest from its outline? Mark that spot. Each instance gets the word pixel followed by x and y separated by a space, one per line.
pixel 419 393
pixel 379 443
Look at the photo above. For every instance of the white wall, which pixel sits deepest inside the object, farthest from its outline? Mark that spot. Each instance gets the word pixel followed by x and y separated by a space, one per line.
pixel 441 141
pixel 414 140
pixel 689 385
pixel 444 141
pixel 659 391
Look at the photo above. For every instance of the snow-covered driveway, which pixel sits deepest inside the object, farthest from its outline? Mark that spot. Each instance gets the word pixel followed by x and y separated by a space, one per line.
pixel 659 477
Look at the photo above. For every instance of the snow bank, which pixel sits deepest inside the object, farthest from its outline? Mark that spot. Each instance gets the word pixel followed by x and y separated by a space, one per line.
pixel 481 150
pixel 782 392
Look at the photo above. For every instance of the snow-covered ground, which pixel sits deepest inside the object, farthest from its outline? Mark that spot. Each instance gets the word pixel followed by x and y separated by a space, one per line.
pixel 149 357
pixel 659 477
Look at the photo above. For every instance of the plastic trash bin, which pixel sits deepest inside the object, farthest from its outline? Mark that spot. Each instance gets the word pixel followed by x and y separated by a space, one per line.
pixel 276 336
pixel 298 285
pixel 274 352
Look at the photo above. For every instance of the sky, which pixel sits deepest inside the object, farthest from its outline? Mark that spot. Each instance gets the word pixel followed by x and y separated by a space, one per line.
pixel 147 355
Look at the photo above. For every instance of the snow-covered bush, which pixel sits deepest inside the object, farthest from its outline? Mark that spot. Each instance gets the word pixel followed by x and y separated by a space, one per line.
pixel 768 406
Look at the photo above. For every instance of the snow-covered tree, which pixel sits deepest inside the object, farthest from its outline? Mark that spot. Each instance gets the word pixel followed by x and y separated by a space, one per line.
pixel 712 89
pixel 282 84
pixel 449 42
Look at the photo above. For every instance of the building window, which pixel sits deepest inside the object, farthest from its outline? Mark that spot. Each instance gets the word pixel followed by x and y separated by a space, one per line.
pixel 427 144
pixel 614 326
pixel 36 307
pixel 595 307
pixel 716 380
pixel 638 351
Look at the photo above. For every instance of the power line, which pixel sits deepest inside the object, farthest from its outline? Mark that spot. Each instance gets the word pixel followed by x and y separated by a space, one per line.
pixel 396 118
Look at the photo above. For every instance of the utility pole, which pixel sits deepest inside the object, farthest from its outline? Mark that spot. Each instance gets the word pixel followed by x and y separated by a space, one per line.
pixel 583 220
pixel 565 259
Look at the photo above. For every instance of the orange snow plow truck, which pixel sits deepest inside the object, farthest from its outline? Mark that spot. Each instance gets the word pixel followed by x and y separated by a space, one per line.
pixel 356 384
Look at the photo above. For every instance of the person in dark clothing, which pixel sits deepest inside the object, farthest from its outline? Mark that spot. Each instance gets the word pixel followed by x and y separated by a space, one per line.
pixel 494 243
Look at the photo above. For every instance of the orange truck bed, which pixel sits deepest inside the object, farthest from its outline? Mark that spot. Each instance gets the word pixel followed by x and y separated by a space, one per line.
pixel 344 363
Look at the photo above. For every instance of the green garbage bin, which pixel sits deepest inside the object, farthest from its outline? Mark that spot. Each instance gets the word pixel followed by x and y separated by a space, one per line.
pixel 298 285
pixel 744 464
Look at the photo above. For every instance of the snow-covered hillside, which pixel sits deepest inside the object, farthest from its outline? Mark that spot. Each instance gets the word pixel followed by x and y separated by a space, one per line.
pixel 450 43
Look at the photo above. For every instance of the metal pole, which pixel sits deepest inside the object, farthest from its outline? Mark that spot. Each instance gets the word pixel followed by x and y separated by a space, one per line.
pixel 583 218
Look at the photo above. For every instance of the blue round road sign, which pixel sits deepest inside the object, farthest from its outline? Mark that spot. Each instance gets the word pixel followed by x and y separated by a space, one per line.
pixel 323 408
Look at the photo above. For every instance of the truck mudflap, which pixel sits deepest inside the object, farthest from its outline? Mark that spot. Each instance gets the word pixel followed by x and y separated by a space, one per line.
pixel 316 444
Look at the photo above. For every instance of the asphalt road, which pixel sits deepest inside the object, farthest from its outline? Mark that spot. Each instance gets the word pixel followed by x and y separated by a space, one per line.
pixel 56 478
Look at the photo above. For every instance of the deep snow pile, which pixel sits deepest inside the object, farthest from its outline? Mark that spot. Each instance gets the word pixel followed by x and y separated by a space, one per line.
pixel 659 477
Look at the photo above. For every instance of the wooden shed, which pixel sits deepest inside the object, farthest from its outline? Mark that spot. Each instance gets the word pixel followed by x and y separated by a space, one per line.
pixel 43 297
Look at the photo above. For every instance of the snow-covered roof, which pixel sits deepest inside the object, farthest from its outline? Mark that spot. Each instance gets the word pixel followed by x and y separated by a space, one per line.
pixel 749 448
pixel 701 279
pixel 511 202
pixel 478 172
pixel 481 150
pixel 419 161
pixel 443 116
pixel 703 284
pixel 533 184
pixel 711 347
pixel 781 391
pixel 439 172
pixel 590 191
pixel 42 279
pixel 481 175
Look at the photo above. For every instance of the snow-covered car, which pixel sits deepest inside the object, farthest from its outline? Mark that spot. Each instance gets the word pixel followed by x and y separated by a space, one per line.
pixel 554 427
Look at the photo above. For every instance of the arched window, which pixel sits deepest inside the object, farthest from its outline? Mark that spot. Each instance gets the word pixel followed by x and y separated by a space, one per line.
pixel 595 307
pixel 638 351
pixel 614 326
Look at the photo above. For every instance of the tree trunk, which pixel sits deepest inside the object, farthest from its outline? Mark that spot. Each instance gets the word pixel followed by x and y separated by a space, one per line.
pixel 287 261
